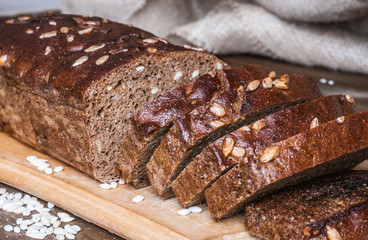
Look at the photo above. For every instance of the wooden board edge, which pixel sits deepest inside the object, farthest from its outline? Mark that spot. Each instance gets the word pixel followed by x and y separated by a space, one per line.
pixel 126 224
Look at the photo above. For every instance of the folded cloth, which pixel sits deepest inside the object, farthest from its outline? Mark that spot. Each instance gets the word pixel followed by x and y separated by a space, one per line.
pixel 329 33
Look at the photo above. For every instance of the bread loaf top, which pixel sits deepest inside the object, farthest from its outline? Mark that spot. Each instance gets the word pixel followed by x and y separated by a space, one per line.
pixel 76 53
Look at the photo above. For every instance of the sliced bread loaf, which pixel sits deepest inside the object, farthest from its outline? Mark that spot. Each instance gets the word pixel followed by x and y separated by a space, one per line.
pixel 333 146
pixel 246 101
pixel 151 122
pixel 69 84
pixel 220 156
pixel 332 207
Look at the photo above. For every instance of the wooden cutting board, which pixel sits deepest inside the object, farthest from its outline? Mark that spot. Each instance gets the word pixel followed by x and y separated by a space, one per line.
pixel 74 191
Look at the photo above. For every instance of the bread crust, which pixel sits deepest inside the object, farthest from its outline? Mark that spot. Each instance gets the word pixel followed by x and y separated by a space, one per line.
pixel 330 147
pixel 211 163
pixel 312 209
pixel 238 105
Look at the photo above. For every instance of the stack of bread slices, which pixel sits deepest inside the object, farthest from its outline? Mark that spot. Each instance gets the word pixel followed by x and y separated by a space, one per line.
pixel 115 101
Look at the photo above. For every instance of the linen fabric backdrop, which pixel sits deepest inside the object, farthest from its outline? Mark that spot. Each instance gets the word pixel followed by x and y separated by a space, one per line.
pixel 328 33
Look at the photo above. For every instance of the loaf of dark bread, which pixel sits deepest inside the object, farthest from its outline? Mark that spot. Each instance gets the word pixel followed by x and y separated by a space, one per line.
pixel 69 84
pixel 332 207
pixel 223 154
pixel 151 122
pixel 330 147
pixel 253 92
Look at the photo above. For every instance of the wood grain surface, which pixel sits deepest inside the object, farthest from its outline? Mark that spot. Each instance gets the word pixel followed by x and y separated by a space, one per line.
pixel 70 189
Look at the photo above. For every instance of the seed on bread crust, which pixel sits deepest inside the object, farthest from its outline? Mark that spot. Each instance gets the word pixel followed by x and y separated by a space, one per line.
pixel 228 146
pixel 333 234
pixel 245 128
pixel 259 125
pixel 272 74
pixel 216 124
pixel 217 110
pixel 94 47
pixel 340 120
pixel 151 50
pixel 269 154
pixel 3 60
pixel 85 31
pixel 48 34
pixel 285 78
pixel 80 61
pixel 253 85
pixel 102 59
pixel 280 84
pixel 64 30
pixel 314 123
pixel 267 82
pixel 350 99
pixel 70 38
pixel 238 152
pixel 47 50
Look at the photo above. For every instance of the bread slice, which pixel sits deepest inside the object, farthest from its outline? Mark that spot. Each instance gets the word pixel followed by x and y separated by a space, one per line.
pixel 69 84
pixel 246 101
pixel 151 122
pixel 214 161
pixel 333 146
pixel 329 207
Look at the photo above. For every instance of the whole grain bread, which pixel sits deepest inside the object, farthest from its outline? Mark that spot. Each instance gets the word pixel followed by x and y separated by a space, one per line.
pixel 329 207
pixel 69 84
pixel 253 92
pixel 330 147
pixel 216 159
pixel 151 122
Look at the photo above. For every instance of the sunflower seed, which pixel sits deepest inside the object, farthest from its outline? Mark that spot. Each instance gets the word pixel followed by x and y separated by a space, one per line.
pixel 48 34
pixel 150 40
pixel 64 30
pixel 280 84
pixel 217 110
pixel 52 23
pixel 85 31
pixel 102 60
pixel 272 74
pixel 350 99
pixel 94 47
pixel 47 50
pixel 333 234
pixel 238 152
pixel 216 124
pixel 70 38
pixel 3 60
pixel 314 123
pixel 267 83
pixel 80 61
pixel 269 154
pixel 253 85
pixel 340 120
pixel 228 146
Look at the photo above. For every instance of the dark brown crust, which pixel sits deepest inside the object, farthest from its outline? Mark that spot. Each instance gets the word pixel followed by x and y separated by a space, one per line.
pixel 304 211
pixel 325 149
pixel 149 123
pixel 183 140
pixel 69 111
pixel 52 76
pixel 190 185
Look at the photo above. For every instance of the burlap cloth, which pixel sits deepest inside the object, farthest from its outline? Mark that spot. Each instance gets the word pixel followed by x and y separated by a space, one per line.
pixel 329 33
